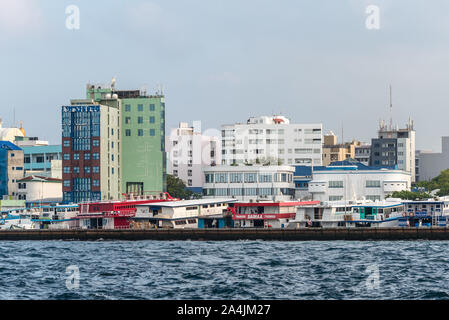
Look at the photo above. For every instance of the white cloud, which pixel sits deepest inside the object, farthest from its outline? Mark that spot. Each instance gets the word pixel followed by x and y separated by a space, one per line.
pixel 19 16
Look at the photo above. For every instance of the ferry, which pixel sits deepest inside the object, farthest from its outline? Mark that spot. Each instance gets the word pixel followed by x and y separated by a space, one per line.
pixel 40 217
pixel 16 222
pixel 265 214
pixel 116 214
pixel 426 213
pixel 184 214
pixel 353 213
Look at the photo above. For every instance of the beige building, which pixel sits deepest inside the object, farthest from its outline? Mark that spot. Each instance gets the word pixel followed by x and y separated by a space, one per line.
pixel 333 151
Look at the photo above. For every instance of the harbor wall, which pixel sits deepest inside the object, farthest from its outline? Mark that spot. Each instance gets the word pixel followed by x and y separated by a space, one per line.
pixel 433 233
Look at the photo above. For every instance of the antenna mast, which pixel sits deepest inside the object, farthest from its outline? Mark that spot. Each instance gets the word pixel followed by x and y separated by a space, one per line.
pixel 391 110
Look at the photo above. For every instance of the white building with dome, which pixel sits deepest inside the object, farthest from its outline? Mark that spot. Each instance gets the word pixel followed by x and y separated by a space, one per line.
pixel 10 134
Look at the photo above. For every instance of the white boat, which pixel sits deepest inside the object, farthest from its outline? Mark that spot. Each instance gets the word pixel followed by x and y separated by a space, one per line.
pixel 42 217
pixel 359 213
pixel 22 222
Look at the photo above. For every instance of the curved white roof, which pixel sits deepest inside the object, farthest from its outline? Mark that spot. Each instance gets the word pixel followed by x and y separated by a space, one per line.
pixel 9 134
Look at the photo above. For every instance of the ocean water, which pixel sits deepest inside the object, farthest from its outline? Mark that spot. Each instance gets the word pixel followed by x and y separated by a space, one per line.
pixel 224 270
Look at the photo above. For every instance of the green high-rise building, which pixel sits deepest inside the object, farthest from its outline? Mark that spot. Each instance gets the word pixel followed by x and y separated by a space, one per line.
pixel 142 138
pixel 143 144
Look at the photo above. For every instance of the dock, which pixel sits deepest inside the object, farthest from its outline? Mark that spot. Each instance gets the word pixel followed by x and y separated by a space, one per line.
pixel 316 234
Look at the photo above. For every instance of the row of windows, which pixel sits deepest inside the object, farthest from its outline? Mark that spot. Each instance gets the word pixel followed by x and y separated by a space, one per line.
pixel 247 177
pixel 227 133
pixel 95 183
pixel 82 142
pixel 86 170
pixel 87 156
pixel 140 120
pixel 140 107
pixel 80 196
pixel 140 132
pixel 368 184
pixel 247 191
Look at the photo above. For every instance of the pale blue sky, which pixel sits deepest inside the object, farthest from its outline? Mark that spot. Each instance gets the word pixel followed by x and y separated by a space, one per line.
pixel 223 61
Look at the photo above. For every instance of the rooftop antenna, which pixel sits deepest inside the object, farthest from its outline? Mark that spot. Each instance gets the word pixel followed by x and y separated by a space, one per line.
pixel 391 109
pixel 342 140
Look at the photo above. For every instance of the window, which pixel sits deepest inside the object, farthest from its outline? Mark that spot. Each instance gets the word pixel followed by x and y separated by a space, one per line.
pixel 76 169
pixel 189 173
pixel 96 169
pixel 66 143
pixel 152 108
pixel 87 156
pixel 140 107
pixel 66 183
pixel 66 169
pixel 221 178
pixel 95 183
pixel 152 132
pixel 139 120
pixel 250 177
pixel 235 177
pixel 86 169
pixel 128 132
pixel 66 156
pixel 127 107
pixel 96 143
pixel 372 183
pixel 76 156
pixel 373 198
pixel 128 120
pixel 335 184
pixel 151 119
pixel 95 156
pixel 335 198
pixel 140 132
pixel 209 177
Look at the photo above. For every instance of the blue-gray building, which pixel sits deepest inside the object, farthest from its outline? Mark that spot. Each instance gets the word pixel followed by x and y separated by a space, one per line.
pixel 11 168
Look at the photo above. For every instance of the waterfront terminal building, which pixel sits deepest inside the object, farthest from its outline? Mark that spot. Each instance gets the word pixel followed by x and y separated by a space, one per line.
pixel 249 182
pixel 352 180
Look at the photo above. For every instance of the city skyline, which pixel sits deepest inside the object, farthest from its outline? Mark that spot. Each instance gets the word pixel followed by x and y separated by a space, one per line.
pixel 214 59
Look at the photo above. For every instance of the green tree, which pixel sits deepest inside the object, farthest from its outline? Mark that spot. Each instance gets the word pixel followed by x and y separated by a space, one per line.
pixel 409 195
pixel 177 188
pixel 440 182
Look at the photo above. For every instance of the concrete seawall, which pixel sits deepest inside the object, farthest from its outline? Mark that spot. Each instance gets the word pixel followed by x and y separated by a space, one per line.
pixel 434 233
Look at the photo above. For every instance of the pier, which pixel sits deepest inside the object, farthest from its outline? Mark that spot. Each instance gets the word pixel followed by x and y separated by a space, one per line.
pixel 317 234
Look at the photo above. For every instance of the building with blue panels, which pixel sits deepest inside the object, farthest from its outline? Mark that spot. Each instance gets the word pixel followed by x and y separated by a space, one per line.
pixel 11 168
pixel 39 158
pixel 91 150
pixel 301 178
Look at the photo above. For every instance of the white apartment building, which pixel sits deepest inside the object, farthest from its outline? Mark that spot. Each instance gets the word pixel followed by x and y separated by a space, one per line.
pixel 188 151
pixel 355 181
pixel 249 182
pixel 267 139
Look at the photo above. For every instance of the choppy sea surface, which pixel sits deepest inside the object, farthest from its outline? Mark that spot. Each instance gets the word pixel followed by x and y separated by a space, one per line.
pixel 224 270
